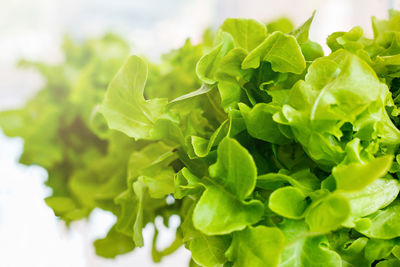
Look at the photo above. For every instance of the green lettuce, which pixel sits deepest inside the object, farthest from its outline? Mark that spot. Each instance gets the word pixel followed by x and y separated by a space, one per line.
pixel 270 152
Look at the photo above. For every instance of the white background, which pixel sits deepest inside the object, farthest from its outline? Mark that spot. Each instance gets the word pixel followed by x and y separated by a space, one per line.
pixel 30 235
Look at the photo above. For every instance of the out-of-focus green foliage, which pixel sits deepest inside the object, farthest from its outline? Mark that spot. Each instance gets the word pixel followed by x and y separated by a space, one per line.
pixel 85 170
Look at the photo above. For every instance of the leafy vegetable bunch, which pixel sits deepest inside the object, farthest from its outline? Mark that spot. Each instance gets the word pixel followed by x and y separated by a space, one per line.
pixel 87 164
pixel 282 157
pixel 58 133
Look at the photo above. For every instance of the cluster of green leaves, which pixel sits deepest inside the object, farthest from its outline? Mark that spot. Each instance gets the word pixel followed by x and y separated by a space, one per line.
pixel 58 132
pixel 282 157
pixel 87 163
